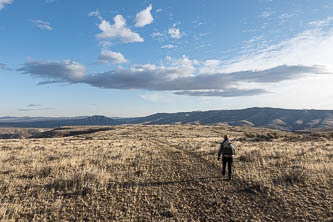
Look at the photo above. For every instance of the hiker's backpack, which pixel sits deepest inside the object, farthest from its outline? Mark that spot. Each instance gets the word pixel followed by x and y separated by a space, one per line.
pixel 227 149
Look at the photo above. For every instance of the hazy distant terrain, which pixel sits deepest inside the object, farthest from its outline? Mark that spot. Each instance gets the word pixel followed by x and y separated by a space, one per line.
pixel 274 118
pixel 166 173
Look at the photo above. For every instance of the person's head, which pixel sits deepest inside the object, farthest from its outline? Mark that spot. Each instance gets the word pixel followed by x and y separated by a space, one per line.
pixel 226 137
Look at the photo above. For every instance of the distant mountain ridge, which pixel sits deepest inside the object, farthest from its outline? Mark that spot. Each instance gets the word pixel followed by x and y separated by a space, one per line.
pixel 283 119
pixel 58 122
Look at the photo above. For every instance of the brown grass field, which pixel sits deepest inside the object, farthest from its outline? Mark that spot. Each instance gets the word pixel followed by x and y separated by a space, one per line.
pixel 166 173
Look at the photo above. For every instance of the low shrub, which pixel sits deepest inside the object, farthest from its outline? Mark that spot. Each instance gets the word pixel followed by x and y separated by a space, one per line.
pixel 251 156
pixel 292 176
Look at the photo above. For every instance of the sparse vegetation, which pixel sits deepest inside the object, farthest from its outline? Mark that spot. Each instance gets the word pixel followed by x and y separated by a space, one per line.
pixel 166 173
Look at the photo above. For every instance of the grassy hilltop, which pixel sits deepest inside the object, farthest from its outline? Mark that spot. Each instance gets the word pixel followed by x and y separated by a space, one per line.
pixel 166 173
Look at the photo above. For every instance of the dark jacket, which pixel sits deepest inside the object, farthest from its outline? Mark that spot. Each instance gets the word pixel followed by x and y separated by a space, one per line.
pixel 225 144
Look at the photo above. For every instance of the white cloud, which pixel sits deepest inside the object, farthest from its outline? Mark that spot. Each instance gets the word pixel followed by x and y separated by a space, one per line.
pixel 144 17
pixel 168 46
pixel 42 24
pixel 184 66
pixel 4 2
pixel 108 56
pixel 174 32
pixel 49 1
pixel 118 30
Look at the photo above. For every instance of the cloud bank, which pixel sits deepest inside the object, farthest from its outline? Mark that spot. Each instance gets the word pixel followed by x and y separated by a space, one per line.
pixel 55 72
pixel 170 78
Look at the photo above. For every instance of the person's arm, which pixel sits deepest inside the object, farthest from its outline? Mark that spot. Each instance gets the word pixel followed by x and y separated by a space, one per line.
pixel 220 152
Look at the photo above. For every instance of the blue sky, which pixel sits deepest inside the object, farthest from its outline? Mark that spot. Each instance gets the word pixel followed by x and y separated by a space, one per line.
pixel 134 58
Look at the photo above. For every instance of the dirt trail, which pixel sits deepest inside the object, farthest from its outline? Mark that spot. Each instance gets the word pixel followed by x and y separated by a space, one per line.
pixel 187 186
pixel 209 196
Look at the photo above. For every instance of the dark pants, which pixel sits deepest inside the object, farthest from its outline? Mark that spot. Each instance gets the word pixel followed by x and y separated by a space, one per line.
pixel 226 160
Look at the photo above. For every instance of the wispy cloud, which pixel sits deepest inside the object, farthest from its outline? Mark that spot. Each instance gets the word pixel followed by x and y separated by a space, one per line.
pixel 108 56
pixel 32 107
pixel 157 97
pixel 313 46
pixel 174 32
pixel 224 93
pixel 169 46
pixel 284 16
pixel 321 23
pixel 144 17
pixel 4 2
pixel 118 30
pixel 28 110
pixel 266 14
pixel 42 24
pixel 96 13
pixel 4 67
pixel 159 36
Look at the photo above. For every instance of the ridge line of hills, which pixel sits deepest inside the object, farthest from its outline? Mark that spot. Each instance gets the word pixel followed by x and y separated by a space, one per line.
pixel 274 118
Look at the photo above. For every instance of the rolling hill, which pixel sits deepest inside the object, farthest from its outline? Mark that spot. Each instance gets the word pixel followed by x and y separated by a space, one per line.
pixel 275 118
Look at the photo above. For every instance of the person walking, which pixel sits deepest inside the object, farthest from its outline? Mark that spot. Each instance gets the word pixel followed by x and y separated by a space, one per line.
pixel 227 151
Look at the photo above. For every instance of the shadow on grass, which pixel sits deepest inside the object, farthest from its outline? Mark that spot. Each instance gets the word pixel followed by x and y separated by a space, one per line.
pixel 66 132
pixel 129 184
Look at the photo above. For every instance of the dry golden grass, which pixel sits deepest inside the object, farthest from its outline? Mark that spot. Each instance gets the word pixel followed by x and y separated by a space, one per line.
pixel 167 173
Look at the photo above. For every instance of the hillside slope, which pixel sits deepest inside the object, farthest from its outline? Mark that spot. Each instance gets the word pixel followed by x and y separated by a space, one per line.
pixel 283 119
